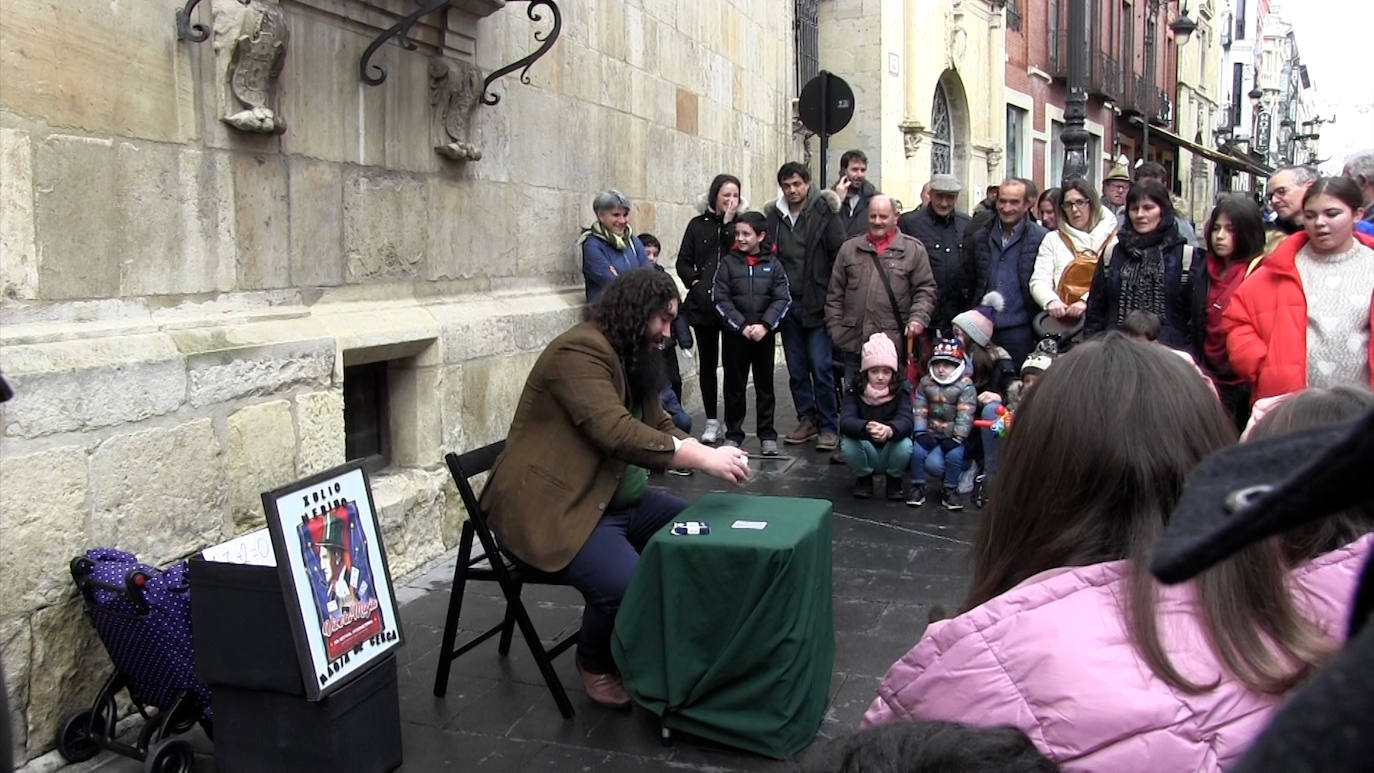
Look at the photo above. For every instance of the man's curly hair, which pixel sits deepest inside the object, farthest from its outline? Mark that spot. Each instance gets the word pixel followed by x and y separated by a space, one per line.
pixel 622 313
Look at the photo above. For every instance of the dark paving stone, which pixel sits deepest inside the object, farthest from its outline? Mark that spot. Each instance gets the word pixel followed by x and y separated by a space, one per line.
pixel 428 748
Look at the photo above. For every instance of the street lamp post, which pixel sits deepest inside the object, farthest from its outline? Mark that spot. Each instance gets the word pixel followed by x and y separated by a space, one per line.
pixel 1075 136
pixel 1182 28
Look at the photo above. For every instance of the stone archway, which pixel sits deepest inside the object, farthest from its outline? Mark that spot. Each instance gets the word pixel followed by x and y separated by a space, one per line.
pixel 949 128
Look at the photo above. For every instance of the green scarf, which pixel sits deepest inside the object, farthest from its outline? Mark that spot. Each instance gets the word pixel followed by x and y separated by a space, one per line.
pixel 620 243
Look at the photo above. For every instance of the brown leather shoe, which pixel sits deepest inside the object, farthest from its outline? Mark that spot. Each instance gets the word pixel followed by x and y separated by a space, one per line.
pixel 605 689
pixel 804 432
pixel 828 441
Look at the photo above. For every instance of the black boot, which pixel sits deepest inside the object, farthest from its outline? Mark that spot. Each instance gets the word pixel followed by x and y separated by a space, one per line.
pixel 894 488
pixel 863 487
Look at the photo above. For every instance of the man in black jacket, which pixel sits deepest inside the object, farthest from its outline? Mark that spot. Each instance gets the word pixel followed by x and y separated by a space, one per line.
pixel 941 228
pixel 854 191
pixel 806 233
pixel 1004 256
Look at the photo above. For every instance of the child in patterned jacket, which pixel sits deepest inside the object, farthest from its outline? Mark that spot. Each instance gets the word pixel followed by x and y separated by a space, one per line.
pixel 945 403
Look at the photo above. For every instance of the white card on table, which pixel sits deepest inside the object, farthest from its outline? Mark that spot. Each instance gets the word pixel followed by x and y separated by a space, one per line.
pixel 756 525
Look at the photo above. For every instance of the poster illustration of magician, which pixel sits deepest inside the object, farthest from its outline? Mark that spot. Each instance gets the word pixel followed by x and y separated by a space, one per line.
pixel 334 547
pixel 335 565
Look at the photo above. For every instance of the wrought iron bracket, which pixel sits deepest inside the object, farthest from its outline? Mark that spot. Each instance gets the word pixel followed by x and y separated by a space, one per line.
pixel 194 33
pixel 400 29
pixel 545 39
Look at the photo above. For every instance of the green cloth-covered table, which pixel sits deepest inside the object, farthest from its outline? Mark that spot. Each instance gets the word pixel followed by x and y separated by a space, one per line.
pixel 729 635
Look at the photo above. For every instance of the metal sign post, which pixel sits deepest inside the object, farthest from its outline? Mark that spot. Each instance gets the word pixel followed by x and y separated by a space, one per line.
pixel 826 105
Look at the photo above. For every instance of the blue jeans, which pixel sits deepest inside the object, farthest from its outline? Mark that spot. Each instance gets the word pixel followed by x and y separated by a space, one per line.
pixel 673 407
pixel 935 461
pixel 990 440
pixel 864 458
pixel 808 355
pixel 602 568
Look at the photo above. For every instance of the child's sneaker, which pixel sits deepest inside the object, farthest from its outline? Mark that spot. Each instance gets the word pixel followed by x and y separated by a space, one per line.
pixel 711 435
pixel 770 447
pixel 950 501
pixel 966 480
pixel 917 496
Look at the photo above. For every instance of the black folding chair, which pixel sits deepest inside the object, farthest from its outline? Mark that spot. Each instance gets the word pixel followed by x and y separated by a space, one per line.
pixel 493 565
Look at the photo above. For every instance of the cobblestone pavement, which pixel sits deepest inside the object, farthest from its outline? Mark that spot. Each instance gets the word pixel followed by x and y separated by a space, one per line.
pixel 891 563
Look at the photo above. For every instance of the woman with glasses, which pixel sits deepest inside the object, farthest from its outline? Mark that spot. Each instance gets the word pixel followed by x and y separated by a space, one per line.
pixel 1064 267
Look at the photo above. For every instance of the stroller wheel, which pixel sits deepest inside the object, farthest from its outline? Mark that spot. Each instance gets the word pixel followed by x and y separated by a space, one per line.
pixel 172 756
pixel 74 737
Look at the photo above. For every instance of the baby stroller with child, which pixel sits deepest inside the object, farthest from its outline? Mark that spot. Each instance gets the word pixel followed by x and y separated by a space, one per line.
pixel 143 617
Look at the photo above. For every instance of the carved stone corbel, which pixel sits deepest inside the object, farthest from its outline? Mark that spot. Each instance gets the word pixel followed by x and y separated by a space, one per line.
pixel 250 47
pixel 455 89
pixel 994 158
pixel 913 131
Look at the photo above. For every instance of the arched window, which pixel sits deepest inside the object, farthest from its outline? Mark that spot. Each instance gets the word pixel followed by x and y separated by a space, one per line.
pixel 942 140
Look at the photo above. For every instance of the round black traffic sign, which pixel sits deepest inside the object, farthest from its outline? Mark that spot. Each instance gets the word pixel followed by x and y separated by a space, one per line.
pixel 826 104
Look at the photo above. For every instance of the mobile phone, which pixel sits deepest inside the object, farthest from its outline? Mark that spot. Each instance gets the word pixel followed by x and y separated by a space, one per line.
pixel 691 528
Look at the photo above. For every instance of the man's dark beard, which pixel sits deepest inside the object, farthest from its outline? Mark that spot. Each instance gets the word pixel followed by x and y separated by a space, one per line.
pixel 648 374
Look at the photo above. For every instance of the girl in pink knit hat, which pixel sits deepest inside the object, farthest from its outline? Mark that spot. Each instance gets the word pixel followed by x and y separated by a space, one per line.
pixel 876 421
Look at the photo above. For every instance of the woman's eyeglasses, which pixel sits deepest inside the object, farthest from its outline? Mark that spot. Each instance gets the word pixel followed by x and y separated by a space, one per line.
pixel 1075 203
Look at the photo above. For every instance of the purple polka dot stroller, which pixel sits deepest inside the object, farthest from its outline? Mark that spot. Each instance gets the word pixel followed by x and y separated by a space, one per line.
pixel 143 617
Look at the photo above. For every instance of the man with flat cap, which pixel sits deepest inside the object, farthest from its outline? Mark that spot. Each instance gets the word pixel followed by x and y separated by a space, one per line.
pixel 940 227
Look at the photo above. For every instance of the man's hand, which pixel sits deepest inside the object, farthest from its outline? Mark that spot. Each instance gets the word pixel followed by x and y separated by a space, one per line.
pixel 914 328
pixel 842 187
pixel 726 462
pixel 1057 309
pixel 754 332
pixel 1077 309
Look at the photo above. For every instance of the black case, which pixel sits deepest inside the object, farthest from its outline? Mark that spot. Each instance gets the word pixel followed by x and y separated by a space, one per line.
pixel 240 628
pixel 355 729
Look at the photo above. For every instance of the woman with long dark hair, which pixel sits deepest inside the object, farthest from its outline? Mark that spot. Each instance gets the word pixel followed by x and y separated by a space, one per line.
pixel 708 236
pixel 1302 317
pixel 1151 269
pixel 1065 633
pixel 1235 239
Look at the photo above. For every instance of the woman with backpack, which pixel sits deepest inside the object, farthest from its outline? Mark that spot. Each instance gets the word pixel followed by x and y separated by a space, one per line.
pixel 1151 268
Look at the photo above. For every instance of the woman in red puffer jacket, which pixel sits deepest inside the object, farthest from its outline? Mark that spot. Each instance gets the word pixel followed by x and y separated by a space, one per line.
pixel 1302 318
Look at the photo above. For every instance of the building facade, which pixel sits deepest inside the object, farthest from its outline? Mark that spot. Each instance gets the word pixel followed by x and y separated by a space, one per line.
pixel 1199 110
pixel 928 89
pixel 229 264
pixel 1036 75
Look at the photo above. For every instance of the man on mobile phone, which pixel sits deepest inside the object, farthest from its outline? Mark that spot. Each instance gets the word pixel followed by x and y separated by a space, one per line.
pixel 854 191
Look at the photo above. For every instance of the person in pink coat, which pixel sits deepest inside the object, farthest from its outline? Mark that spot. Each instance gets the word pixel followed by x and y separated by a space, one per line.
pixel 1067 637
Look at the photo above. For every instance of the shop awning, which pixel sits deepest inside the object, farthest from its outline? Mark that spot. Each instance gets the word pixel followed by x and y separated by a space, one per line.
pixel 1248 166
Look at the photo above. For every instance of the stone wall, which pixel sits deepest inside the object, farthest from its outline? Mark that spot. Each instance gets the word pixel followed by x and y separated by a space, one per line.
pixel 179 299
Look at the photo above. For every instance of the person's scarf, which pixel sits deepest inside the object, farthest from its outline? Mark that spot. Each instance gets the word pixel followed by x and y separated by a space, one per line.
pixel 618 243
pixel 881 244
pixel 872 395
pixel 1142 274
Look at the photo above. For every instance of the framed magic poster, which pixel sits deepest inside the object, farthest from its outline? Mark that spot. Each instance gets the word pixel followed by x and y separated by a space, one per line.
pixel 333 568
